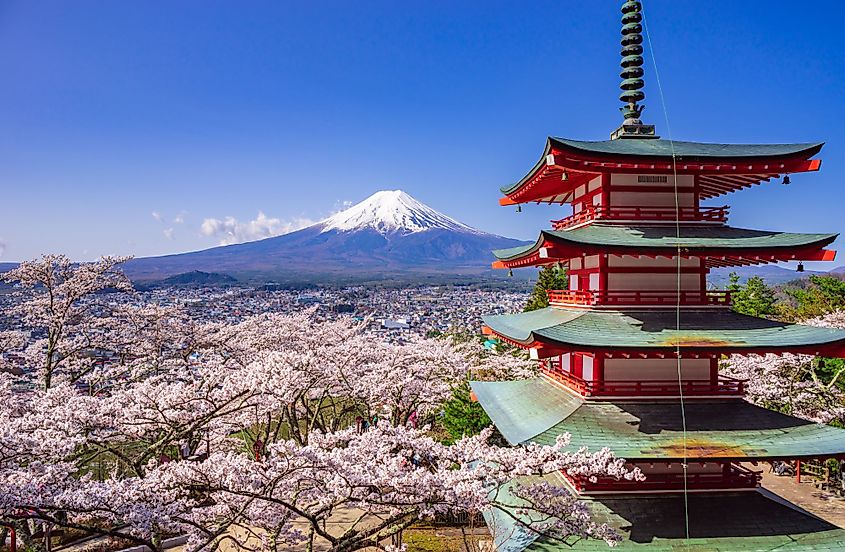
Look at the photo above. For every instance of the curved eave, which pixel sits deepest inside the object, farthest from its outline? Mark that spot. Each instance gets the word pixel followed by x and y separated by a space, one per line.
pixel 720 520
pixel 726 247
pixel 663 150
pixel 538 411
pixel 654 333
pixel 723 167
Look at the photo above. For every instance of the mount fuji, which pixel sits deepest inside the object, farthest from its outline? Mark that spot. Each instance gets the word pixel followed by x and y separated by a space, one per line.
pixel 388 235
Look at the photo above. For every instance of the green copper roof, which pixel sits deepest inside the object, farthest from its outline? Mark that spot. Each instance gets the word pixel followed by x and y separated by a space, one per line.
pixel 684 151
pixel 721 521
pixel 618 238
pixel 722 330
pixel 641 430
pixel 688 151
pixel 519 419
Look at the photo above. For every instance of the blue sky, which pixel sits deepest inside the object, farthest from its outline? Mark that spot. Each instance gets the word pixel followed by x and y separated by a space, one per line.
pixel 125 125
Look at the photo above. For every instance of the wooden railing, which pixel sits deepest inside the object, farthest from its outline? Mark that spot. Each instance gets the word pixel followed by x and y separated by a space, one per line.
pixel 736 477
pixel 644 214
pixel 582 298
pixel 723 386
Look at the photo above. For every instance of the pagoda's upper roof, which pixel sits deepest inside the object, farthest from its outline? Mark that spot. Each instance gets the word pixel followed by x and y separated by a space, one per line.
pixel 700 240
pixel 721 331
pixel 724 167
pixel 686 151
pixel 537 411
pixel 735 521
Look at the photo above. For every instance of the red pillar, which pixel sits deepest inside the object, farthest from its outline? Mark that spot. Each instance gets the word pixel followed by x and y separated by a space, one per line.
pixel 605 190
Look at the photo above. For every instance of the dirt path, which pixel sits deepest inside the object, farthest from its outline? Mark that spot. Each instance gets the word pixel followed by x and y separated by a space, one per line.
pixel 826 505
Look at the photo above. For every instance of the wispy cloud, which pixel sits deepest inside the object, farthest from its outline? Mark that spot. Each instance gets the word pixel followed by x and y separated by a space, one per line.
pixel 168 233
pixel 156 215
pixel 230 230
pixel 2 247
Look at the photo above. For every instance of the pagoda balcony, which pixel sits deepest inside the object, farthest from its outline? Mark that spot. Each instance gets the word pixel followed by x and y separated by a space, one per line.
pixel 734 477
pixel 643 214
pixel 650 298
pixel 724 386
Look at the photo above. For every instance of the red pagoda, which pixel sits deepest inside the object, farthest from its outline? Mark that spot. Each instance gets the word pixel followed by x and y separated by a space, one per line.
pixel 630 352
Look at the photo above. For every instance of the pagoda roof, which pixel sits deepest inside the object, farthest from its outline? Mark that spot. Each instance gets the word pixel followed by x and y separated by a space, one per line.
pixel 538 411
pixel 685 151
pixel 725 167
pixel 701 330
pixel 739 245
pixel 735 521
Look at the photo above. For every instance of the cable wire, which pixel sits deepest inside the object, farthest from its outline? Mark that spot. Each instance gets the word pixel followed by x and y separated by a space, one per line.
pixel 678 279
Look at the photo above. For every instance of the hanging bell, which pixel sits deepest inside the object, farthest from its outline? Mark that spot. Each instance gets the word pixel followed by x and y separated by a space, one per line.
pixel 510 273
pixel 519 208
pixel 564 176
pixel 786 179
pixel 557 266
pixel 800 267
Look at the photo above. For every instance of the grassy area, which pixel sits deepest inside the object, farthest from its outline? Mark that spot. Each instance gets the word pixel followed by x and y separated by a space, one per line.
pixel 443 539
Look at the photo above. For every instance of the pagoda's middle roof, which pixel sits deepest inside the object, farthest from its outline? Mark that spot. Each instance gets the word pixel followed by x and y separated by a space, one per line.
pixel 696 239
pixel 537 411
pixel 644 330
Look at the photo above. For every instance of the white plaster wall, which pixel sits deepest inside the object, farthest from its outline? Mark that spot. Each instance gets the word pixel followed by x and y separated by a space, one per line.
pixel 617 281
pixel 650 199
pixel 652 369
pixel 587 372
pixel 647 262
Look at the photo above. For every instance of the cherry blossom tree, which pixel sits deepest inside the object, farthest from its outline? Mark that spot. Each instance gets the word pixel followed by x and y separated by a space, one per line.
pixel 61 307
pixel 247 433
pixel 791 383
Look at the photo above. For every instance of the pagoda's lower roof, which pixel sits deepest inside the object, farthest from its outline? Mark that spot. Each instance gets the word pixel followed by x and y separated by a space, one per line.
pixel 702 330
pixel 719 521
pixel 538 411
pixel 695 240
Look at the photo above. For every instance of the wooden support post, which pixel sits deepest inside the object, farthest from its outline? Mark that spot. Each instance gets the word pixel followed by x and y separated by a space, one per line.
pixel 714 370
pixel 798 471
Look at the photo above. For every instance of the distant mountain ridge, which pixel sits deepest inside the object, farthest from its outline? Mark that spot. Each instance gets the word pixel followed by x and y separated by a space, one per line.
pixel 388 234
pixel 772 274
pixel 199 278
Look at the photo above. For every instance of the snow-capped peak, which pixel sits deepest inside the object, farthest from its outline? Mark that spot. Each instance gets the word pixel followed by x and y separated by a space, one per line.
pixel 391 211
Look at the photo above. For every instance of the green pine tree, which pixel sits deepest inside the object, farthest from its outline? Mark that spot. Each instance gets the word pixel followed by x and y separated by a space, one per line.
pixel 463 417
pixel 823 295
pixel 755 298
pixel 550 277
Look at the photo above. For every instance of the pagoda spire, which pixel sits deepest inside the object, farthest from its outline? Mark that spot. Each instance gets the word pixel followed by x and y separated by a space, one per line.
pixel 632 73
